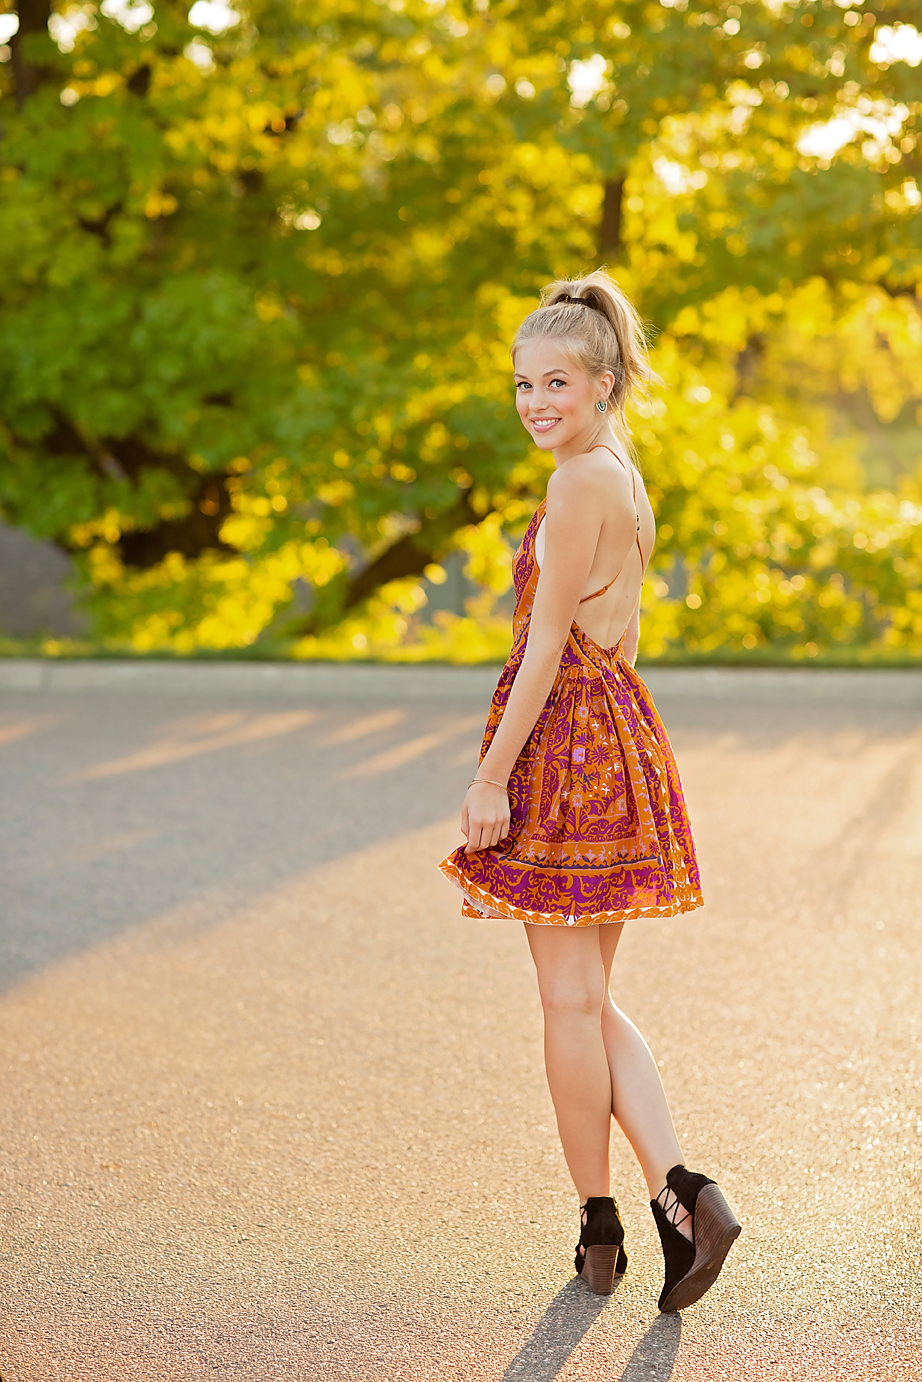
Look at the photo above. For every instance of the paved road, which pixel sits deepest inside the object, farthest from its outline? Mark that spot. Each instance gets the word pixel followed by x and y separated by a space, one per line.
pixel 271 1109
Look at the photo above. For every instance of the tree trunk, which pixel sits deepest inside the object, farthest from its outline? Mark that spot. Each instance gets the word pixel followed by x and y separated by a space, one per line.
pixel 610 229
pixel 411 554
pixel 748 364
pixel 33 19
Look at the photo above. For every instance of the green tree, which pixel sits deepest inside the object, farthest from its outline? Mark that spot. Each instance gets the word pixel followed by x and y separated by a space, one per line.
pixel 258 285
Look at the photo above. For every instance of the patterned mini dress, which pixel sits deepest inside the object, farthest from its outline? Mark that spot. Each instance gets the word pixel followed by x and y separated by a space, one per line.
pixel 599 829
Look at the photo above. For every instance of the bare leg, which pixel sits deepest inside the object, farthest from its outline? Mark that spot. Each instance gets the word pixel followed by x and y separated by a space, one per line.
pixel 598 1064
pixel 572 984
pixel 638 1100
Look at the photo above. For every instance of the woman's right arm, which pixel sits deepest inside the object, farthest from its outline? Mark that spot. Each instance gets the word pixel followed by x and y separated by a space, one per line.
pixel 572 526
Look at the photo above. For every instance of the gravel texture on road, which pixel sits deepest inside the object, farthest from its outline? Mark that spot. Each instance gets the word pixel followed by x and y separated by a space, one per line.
pixel 272 1109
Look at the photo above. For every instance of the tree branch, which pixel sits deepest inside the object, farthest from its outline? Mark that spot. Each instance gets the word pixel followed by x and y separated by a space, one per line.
pixel 412 554
pixel 126 458
pixel 196 532
pixel 409 556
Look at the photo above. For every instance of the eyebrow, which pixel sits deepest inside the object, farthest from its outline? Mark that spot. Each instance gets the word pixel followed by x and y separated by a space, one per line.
pixel 548 374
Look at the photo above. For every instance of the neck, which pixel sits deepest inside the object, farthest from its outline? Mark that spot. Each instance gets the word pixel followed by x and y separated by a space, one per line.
pixel 598 433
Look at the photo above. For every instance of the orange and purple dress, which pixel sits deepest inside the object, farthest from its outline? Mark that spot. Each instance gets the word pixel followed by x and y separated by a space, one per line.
pixel 599 828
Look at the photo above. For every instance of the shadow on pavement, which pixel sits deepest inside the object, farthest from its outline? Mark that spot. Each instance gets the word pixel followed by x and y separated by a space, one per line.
pixel 115 810
pixel 118 809
pixel 563 1325
pixel 654 1357
pixel 567 1321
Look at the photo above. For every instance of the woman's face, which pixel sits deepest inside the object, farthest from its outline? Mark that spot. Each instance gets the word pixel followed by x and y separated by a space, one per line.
pixel 554 397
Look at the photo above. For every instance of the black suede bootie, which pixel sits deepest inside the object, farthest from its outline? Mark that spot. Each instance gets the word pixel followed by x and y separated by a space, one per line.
pixel 692 1267
pixel 600 1251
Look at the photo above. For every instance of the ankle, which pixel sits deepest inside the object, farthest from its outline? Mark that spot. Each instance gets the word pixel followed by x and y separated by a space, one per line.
pixel 656 1174
pixel 675 1211
pixel 600 1221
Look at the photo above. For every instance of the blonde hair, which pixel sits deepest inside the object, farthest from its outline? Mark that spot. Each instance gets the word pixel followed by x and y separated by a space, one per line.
pixel 600 332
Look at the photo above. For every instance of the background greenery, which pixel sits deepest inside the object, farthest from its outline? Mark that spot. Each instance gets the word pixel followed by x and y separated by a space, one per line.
pixel 259 269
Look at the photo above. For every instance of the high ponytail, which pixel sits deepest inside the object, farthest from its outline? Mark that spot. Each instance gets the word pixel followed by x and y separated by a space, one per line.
pixel 600 329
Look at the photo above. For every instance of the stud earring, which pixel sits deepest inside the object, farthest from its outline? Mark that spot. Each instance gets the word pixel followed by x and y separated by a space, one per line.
pixel 602 405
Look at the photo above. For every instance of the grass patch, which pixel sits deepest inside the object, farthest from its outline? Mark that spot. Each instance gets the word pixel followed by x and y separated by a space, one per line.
pixel 289 651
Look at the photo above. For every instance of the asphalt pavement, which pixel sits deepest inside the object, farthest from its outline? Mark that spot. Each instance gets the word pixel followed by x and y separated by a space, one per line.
pixel 272 1110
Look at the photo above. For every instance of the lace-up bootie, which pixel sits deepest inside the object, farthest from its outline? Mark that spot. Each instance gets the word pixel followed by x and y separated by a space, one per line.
pixel 692 1267
pixel 600 1251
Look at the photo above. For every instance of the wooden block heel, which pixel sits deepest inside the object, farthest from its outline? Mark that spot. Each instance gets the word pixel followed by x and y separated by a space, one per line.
pixel 693 1267
pixel 599 1268
pixel 716 1230
pixel 600 1255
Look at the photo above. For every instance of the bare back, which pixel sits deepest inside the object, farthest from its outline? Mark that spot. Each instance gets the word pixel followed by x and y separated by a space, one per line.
pixel 625 542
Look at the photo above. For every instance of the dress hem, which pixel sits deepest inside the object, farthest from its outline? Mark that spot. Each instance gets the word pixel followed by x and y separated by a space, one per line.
pixel 486 906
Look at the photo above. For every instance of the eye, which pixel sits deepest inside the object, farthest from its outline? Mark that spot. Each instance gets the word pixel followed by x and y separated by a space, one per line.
pixel 561 382
pixel 522 384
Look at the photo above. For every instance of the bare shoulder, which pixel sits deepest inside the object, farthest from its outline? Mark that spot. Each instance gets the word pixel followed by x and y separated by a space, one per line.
pixel 595 478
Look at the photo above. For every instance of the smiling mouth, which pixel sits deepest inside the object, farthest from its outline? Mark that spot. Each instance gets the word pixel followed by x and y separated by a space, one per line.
pixel 544 424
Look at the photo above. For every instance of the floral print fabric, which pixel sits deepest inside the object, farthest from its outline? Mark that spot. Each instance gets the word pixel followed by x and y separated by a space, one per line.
pixel 599 828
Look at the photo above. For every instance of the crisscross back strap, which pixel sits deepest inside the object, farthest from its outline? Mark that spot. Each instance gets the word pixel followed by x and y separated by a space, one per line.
pixel 596 593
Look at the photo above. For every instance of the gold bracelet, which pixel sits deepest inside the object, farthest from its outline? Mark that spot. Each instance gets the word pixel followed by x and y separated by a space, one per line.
pixel 490 781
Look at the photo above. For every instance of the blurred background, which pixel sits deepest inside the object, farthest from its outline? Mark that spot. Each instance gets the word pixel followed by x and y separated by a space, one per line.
pixel 261 265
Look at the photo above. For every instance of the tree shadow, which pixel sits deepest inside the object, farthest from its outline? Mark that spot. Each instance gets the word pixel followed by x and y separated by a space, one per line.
pixel 116 808
pixel 567 1321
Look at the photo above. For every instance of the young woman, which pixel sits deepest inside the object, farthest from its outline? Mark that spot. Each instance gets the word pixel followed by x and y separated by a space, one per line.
pixel 576 822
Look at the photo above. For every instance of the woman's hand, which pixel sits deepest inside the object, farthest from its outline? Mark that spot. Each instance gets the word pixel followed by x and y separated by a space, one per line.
pixel 484 816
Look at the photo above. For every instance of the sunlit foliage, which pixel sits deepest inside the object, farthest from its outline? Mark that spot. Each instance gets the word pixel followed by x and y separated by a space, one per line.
pixel 260 266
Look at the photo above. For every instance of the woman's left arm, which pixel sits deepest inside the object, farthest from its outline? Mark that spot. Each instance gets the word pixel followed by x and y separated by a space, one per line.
pixel 572 524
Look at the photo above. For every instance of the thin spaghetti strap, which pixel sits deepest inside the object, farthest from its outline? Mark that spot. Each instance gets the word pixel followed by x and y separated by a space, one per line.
pixel 634 500
pixel 643 564
pixel 596 593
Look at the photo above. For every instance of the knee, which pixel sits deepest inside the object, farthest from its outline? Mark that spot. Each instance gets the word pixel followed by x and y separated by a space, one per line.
pixel 572 998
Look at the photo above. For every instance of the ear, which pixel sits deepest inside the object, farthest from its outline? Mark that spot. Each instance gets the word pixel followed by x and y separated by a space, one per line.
pixel 606 382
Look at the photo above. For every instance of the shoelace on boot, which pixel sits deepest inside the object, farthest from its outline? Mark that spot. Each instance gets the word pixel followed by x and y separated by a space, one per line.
pixel 584 1220
pixel 675 1211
